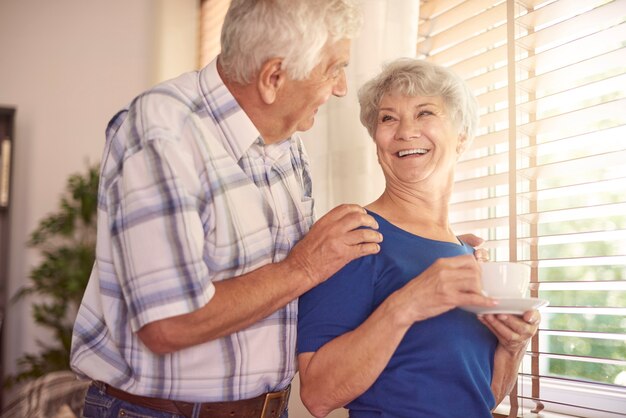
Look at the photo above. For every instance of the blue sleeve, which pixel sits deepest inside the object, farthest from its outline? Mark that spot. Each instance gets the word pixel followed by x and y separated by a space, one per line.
pixel 336 306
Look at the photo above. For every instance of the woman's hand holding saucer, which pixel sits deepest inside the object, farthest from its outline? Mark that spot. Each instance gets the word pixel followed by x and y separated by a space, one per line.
pixel 513 331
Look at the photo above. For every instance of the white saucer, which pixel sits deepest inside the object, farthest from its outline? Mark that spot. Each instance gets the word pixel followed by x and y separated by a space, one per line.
pixel 515 306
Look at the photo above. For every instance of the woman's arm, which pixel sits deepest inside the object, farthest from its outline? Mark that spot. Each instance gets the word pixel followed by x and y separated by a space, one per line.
pixel 347 366
pixel 505 367
pixel 513 334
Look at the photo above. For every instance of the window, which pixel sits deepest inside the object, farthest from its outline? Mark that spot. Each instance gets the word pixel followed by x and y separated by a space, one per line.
pixel 545 179
pixel 212 14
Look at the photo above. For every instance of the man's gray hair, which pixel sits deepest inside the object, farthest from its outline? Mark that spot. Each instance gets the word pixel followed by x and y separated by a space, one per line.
pixel 413 77
pixel 295 30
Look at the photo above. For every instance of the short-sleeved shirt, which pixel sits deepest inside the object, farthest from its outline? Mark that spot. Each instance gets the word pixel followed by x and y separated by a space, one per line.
pixel 443 365
pixel 189 194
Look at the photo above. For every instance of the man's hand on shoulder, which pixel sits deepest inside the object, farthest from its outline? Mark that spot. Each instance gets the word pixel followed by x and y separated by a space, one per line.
pixel 345 233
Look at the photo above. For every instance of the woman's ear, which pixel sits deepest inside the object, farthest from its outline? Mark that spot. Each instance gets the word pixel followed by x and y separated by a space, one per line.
pixel 271 78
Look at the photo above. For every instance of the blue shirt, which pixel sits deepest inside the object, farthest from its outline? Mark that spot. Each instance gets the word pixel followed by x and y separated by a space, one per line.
pixel 442 367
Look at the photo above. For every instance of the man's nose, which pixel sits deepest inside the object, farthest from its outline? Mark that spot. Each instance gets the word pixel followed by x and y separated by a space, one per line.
pixel 340 88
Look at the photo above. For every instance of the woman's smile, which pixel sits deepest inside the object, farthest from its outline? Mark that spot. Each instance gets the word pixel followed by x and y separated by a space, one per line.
pixel 412 152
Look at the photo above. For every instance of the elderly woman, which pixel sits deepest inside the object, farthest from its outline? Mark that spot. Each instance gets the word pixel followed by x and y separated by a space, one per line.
pixel 385 336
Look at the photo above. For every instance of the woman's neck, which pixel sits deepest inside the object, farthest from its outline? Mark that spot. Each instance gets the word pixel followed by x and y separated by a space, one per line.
pixel 420 213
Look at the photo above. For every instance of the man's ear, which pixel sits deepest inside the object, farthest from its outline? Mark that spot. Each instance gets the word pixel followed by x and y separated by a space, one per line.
pixel 461 144
pixel 271 78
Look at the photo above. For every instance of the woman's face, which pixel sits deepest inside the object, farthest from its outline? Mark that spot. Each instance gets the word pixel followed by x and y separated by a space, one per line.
pixel 416 139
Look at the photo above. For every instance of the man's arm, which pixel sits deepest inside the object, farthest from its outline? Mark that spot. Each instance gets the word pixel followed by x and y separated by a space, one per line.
pixel 333 241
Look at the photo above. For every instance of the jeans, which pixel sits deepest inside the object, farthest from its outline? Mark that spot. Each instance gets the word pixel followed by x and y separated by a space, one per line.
pixel 100 405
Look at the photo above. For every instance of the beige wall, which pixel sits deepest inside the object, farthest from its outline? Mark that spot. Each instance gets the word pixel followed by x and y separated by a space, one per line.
pixel 68 66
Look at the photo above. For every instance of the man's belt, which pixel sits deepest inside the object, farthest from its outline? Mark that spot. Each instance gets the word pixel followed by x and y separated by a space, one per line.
pixel 268 405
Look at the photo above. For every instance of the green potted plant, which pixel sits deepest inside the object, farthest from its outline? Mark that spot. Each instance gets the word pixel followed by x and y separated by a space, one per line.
pixel 66 240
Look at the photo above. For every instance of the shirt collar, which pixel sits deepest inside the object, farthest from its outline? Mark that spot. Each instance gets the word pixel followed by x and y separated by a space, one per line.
pixel 239 133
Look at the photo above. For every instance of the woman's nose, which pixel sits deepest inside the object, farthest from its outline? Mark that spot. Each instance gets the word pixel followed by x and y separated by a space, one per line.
pixel 408 130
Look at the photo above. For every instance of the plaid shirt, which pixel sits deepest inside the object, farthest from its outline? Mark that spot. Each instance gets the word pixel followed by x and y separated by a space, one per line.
pixel 188 195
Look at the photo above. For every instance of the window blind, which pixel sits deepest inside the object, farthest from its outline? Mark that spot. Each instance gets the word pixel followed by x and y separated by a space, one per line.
pixel 212 14
pixel 545 179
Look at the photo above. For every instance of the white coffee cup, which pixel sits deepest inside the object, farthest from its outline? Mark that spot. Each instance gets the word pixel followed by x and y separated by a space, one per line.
pixel 504 279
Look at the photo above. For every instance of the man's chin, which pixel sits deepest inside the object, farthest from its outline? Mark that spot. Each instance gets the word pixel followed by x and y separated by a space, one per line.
pixel 306 125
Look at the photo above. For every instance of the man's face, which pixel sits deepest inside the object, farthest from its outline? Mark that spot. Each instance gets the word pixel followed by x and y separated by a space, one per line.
pixel 301 99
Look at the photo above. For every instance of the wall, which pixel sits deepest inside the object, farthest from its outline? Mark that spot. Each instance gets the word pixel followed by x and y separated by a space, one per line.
pixel 68 66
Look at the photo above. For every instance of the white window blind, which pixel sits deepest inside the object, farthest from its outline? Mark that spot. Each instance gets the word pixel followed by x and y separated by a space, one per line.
pixel 545 180
pixel 212 14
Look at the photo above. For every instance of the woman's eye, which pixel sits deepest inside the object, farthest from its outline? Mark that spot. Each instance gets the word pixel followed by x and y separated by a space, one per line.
pixel 386 118
pixel 424 113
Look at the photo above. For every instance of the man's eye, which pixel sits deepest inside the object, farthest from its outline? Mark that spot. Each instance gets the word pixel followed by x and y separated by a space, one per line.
pixel 334 73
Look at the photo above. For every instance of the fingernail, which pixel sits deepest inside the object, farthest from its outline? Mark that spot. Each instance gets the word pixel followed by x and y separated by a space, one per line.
pixel 481 254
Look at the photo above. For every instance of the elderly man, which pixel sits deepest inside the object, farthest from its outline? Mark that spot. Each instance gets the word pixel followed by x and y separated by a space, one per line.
pixel 204 203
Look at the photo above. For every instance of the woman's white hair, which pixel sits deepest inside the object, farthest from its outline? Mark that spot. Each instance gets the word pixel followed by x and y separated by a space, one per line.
pixel 294 30
pixel 413 77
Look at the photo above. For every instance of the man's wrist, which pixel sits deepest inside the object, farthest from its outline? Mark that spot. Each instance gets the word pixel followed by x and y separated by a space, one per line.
pixel 299 271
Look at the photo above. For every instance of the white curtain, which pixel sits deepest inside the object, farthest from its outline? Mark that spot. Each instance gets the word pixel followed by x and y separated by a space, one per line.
pixel 343 157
